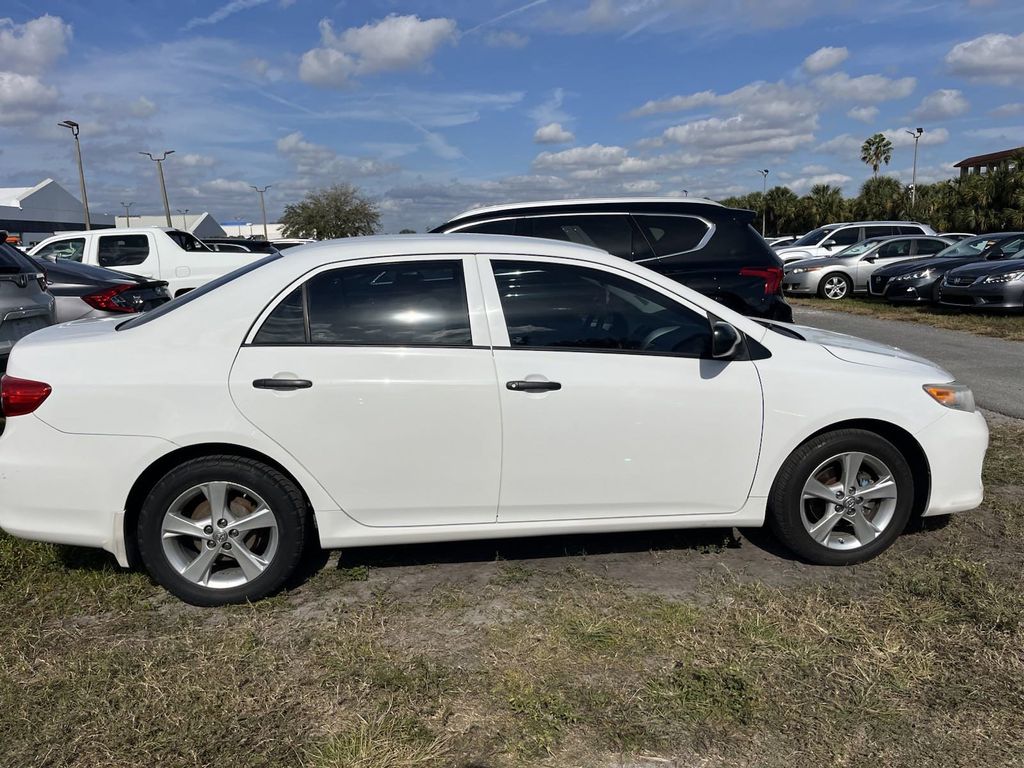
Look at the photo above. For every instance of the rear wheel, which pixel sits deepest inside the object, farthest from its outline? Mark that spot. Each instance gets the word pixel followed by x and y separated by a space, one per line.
pixel 842 497
pixel 835 286
pixel 222 529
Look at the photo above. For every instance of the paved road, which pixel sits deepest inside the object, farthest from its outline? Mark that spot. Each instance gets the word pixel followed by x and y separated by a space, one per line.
pixel 993 367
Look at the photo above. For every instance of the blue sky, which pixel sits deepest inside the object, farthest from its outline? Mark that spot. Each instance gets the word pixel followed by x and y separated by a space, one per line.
pixel 432 107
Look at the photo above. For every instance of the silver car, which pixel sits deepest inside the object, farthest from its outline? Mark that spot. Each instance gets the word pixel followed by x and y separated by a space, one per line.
pixel 25 306
pixel 836 277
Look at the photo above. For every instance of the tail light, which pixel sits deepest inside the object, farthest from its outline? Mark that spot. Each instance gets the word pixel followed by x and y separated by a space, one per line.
pixel 112 299
pixel 21 396
pixel 772 277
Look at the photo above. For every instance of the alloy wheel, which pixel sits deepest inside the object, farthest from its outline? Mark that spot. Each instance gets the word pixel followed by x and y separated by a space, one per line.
pixel 835 287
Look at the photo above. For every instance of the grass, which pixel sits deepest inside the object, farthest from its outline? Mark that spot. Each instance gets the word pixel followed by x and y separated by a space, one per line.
pixel 1000 326
pixel 912 659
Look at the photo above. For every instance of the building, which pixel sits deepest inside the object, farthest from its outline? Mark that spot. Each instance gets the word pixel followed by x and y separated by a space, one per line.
pixel 253 229
pixel 199 224
pixel 32 214
pixel 987 163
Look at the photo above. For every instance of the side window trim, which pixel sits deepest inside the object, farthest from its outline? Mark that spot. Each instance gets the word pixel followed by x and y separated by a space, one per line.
pixel 700 245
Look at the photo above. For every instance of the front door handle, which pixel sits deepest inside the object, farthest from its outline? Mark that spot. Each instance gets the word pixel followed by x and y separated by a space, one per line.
pixel 282 385
pixel 532 386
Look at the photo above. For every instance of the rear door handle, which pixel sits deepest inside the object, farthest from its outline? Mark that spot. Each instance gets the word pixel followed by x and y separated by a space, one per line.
pixel 282 385
pixel 520 385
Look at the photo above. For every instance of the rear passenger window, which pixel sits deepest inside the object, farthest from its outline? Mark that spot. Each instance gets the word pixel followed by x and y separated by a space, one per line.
pixel 847 236
pixel 613 233
pixel 122 250
pixel 499 227
pixel 880 231
pixel 930 246
pixel 402 304
pixel 909 230
pixel 670 235
pixel 894 249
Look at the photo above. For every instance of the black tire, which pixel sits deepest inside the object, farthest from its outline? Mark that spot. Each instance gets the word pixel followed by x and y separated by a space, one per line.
pixel 832 276
pixel 786 499
pixel 280 494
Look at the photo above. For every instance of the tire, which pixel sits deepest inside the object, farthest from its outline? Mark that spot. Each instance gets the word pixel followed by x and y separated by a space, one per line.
pixel 829 526
pixel 835 286
pixel 206 559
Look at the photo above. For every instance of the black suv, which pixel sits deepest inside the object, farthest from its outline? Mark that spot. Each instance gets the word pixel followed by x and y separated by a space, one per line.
pixel 704 245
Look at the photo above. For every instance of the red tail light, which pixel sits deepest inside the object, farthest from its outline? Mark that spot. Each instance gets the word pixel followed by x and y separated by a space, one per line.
pixel 21 396
pixel 109 300
pixel 772 277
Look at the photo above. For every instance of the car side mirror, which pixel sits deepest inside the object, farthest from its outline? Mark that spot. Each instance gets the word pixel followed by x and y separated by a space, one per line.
pixel 726 341
pixel 870 259
pixel 829 244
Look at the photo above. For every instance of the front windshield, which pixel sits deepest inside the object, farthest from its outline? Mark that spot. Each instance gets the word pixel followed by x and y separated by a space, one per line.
pixel 855 250
pixel 972 246
pixel 813 237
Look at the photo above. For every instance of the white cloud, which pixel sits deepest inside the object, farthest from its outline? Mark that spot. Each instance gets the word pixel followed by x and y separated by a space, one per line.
pixel 639 15
pixel 996 57
pixel 942 104
pixel 550 110
pixel 316 160
pixel 33 47
pixel 194 160
pixel 825 59
pixel 1007 134
pixel 775 101
pixel 900 137
pixel 577 157
pixel 804 183
pixel 814 169
pixel 1008 110
pixel 23 98
pixel 553 133
pixel 844 144
pixel 392 44
pixel 727 139
pixel 864 89
pixel 142 107
pixel 506 39
pixel 864 114
pixel 226 10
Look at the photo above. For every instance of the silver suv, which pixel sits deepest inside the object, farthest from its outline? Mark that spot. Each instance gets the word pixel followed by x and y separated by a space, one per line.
pixel 832 238
pixel 25 306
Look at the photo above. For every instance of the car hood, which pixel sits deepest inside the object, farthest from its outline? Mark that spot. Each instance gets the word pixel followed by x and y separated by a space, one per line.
pixel 928 262
pixel 990 268
pixel 854 349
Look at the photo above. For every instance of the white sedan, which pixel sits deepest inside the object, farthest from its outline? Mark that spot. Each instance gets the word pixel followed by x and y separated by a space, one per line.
pixel 432 388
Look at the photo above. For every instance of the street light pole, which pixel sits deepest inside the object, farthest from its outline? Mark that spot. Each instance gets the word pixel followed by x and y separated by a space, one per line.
pixel 263 209
pixel 73 126
pixel 163 186
pixel 127 212
pixel 764 202
pixel 913 183
pixel 184 220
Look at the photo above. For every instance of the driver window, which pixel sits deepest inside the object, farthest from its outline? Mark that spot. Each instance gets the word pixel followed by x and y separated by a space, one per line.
pixel 558 306
pixel 894 249
pixel 847 236
pixel 65 250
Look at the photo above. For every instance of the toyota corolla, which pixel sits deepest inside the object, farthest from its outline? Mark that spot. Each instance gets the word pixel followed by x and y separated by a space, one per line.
pixel 431 388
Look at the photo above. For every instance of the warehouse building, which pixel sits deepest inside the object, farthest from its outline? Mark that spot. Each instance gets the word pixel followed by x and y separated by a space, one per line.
pixel 32 214
pixel 199 224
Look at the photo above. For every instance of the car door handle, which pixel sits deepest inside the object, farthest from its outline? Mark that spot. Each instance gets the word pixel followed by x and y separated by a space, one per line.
pixel 282 385
pixel 532 386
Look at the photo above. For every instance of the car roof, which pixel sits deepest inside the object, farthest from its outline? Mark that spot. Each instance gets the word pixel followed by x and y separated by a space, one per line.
pixel 583 203
pixel 113 231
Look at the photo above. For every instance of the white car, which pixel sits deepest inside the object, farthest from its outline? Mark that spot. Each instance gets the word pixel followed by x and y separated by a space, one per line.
pixel 388 390
pixel 826 240
pixel 156 253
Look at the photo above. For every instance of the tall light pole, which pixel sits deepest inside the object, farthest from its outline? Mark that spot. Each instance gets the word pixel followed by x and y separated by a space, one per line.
pixel 127 212
pixel 263 208
pixel 913 183
pixel 764 202
pixel 184 220
pixel 163 186
pixel 73 126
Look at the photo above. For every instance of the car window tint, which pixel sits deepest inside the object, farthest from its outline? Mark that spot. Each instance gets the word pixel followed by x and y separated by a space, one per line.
pixel 499 227
pixel 909 230
pixel 928 247
pixel 187 241
pixel 13 261
pixel 68 250
pixel 669 235
pixel 894 249
pixel 415 302
pixel 612 233
pixel 122 250
pixel 880 231
pixel 286 324
pixel 847 236
pixel 567 307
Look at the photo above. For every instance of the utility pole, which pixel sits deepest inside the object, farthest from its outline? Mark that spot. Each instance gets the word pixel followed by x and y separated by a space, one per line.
pixel 163 186
pixel 764 202
pixel 184 220
pixel 913 183
pixel 73 126
pixel 263 209
pixel 127 212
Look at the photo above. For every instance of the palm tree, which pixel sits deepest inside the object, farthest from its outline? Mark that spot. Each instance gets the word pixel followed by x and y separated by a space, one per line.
pixel 875 151
pixel 881 198
pixel 782 209
pixel 827 203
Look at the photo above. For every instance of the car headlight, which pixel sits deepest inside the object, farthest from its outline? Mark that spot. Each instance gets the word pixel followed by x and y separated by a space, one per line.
pixel 921 275
pixel 1009 277
pixel 801 270
pixel 953 395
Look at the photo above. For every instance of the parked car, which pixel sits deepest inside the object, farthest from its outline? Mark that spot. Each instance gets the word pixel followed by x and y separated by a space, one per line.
pixel 702 244
pixel 991 285
pixel 957 236
pixel 476 387
pixel 284 243
pixel 825 240
pixel 781 242
pixel 82 290
pixel 240 245
pixel 919 280
pixel 25 306
pixel 153 253
pixel 836 277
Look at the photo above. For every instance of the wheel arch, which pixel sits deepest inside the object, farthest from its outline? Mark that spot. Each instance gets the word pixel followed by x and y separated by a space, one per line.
pixel 161 466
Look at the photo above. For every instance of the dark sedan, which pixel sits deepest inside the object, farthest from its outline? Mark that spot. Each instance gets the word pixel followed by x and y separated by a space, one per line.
pixel 82 290
pixel 989 285
pixel 919 280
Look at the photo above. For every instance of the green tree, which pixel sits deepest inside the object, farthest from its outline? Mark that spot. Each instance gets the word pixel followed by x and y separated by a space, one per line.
pixel 826 203
pixel 338 211
pixel 881 197
pixel 783 208
pixel 875 151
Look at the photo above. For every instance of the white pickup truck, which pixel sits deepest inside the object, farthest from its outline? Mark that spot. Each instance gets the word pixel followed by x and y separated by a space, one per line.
pixel 157 253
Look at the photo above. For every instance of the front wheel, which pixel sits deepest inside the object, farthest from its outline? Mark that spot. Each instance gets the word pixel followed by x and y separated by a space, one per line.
pixel 835 286
pixel 842 497
pixel 222 529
